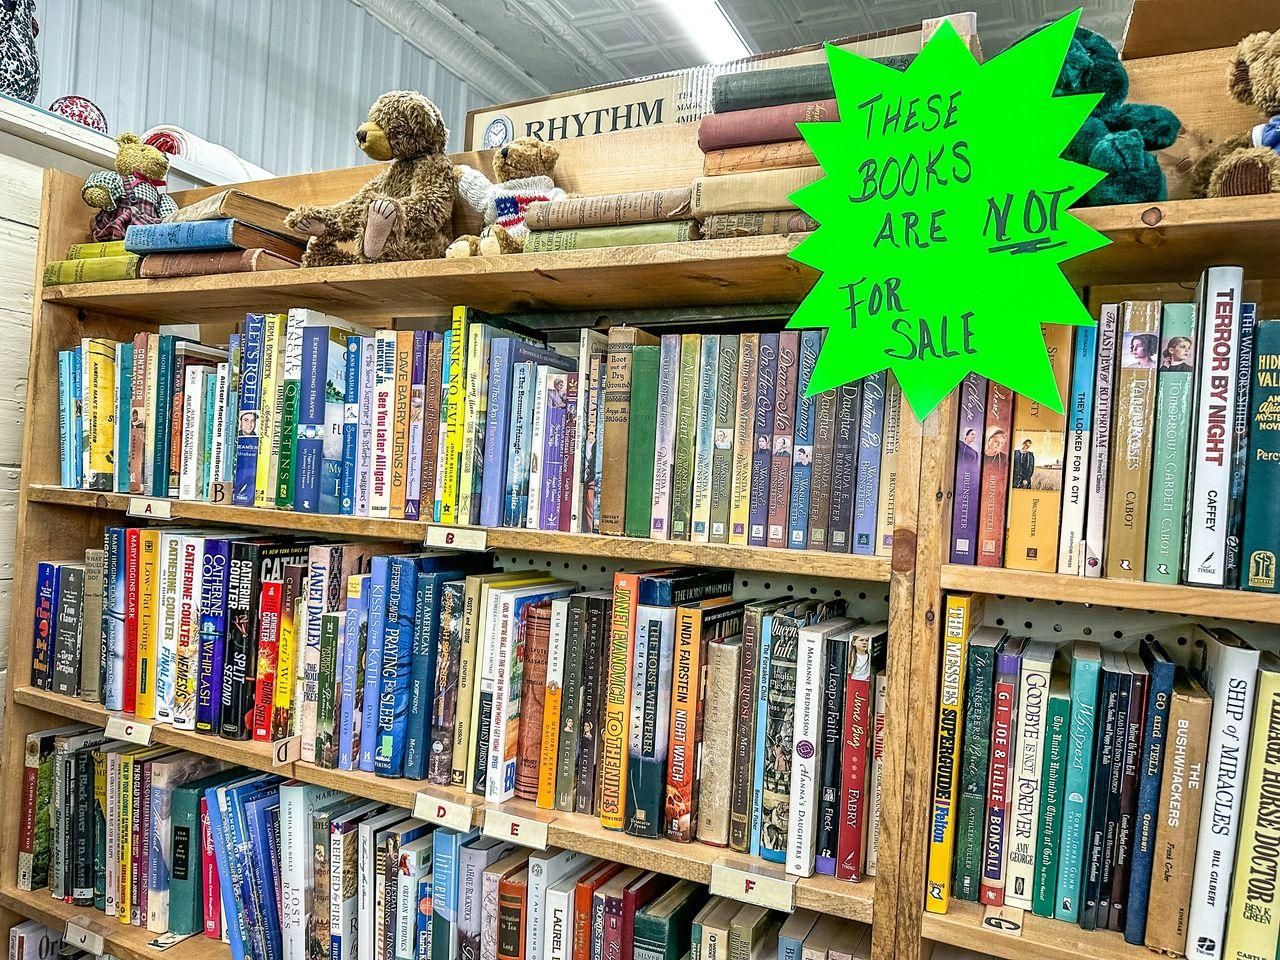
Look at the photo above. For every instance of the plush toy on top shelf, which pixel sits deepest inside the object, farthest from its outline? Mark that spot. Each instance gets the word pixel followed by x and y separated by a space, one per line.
pixel 523 168
pixel 1117 135
pixel 131 193
pixel 405 212
pixel 1248 163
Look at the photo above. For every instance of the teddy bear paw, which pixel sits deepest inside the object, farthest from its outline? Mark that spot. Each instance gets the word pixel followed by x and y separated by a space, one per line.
pixel 1246 173
pixel 464 246
pixel 383 214
pixel 310 226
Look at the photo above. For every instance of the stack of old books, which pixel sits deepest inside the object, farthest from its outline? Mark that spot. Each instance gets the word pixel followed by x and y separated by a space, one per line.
pixel 615 220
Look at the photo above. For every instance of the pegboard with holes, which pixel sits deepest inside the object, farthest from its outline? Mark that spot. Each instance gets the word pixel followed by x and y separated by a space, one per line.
pixel 1114 627
pixel 870 601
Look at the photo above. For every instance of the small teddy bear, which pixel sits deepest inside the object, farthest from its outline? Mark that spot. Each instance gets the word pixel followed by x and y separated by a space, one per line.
pixel 523 168
pixel 405 212
pixel 1249 162
pixel 131 193
pixel 1117 136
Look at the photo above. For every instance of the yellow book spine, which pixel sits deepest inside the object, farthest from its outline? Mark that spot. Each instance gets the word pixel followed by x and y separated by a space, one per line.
pixel 400 425
pixel 264 488
pixel 286 669
pixel 1253 925
pixel 888 468
pixel 551 706
pixel 125 914
pixel 452 453
pixel 463 756
pixel 91 270
pixel 99 388
pixel 474 406
pixel 744 415
pixel 617 704
pixel 1039 447
pixel 960 618
pixel 148 589
pixel 96 251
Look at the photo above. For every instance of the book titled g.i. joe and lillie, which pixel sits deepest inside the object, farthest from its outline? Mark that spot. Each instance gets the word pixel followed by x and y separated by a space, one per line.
pixel 1122 789
pixel 1169 409
pixel 704 437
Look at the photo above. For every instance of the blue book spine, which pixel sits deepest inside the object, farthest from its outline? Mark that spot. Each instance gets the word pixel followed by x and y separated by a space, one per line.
pixel 258 816
pixel 232 425
pixel 421 921
pixel 520 427
pixel 762 448
pixel 397 651
pixel 113 586
pixel 45 620
pixel 178 237
pixel 1156 725
pixel 124 402
pixel 765 663
pixel 802 449
pixel 217 829
pixel 379 575
pixel 164 417
pixel 69 454
pixel 445 889
pixel 79 439
pixel 790 948
pixel 353 653
pixel 272 880
pixel 350 426
pixel 497 428
pixel 311 399
pixel 422 675
pixel 1076 788
pixel 867 491
pixel 247 412
pixel 216 577
pixel 244 872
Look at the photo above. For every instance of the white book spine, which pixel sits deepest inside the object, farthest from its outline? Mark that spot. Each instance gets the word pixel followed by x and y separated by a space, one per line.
pixel 591 342
pixel 167 625
pixel 308 648
pixel 187 664
pixel 489 916
pixel 802 808
pixel 192 433
pixel 295 848
pixel 1095 528
pixel 665 439
pixel 557 941
pixel 113 835
pixel 364 419
pixel 364 892
pixel 406 911
pixel 120 416
pixel 1231 679
pixel 1219 296
pixel 704 442
pixel 545 869
pixel 1024 803
pixel 497 786
pixel 880 684
pixel 537 437
pixel 556 655
pixel 471 866
pixel 383 420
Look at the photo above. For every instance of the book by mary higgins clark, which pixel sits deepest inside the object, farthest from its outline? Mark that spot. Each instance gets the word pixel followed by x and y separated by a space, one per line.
pixel 964 512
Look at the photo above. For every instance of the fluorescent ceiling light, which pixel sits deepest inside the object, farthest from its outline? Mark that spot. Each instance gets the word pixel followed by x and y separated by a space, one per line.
pixel 715 36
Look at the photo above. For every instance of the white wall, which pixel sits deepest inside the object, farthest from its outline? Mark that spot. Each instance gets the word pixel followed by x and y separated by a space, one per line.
pixel 283 83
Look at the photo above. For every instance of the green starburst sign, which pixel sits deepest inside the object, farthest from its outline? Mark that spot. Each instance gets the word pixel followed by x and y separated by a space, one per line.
pixel 943 218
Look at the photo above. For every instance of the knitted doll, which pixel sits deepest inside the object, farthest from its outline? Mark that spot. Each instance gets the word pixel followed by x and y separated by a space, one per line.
pixel 131 193
pixel 524 170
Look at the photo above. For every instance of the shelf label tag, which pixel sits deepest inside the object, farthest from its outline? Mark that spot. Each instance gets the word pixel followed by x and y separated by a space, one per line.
pixel 129 730
pixel 167 940
pixel 441 812
pixel 457 538
pixel 756 883
pixel 286 751
pixel 522 830
pixel 150 508
pixel 83 938
pixel 1005 919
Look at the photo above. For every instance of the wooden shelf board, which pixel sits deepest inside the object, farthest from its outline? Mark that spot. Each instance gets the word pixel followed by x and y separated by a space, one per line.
pixel 690 861
pixel 1150 242
pixel 810 563
pixel 1102 592
pixel 1042 939
pixel 121 941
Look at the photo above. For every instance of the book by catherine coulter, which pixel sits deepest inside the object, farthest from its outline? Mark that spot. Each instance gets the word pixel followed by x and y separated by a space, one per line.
pixel 1076 467
pixel 1107 360
pixel 1170 436
pixel 1039 438
pixel 964 612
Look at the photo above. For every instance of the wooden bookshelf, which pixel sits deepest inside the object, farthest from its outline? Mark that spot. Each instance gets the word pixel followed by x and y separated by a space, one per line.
pixel 1043 939
pixel 1103 592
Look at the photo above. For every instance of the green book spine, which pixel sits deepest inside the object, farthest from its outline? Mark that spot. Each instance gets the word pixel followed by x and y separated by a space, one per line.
pixel 99 830
pixel 1174 386
pixel 764 88
pixel 331 627
pixel 570 705
pixel 285 478
pixel 163 388
pixel 97 251
pixel 549 241
pixel 91 270
pixel 1261 520
pixel 1044 887
pixel 185 906
pixel 972 808
pixel 640 440
pixel 686 428
pixel 723 438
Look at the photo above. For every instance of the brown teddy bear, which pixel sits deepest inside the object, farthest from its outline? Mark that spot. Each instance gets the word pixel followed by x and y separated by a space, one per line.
pixel 1248 163
pixel 131 193
pixel 403 213
pixel 523 168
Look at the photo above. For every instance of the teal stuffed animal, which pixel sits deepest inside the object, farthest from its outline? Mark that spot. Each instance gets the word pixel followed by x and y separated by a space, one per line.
pixel 1118 136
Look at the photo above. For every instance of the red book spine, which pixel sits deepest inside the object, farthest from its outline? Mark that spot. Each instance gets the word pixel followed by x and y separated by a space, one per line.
pixel 612 929
pixel 138 413
pixel 995 476
pixel 131 553
pixel 209 875
pixel 135 846
pixel 853 788
pixel 583 896
pixel 512 895
pixel 784 425
pixel 27 826
pixel 268 654
pixel 636 897
pixel 536 627
pixel 1006 691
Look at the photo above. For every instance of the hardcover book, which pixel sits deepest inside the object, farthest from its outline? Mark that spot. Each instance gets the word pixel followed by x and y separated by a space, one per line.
pixel 722 437
pixel 638 512
pixel 617 418
pixel 664 447
pixel 703 447
pixel 682 466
